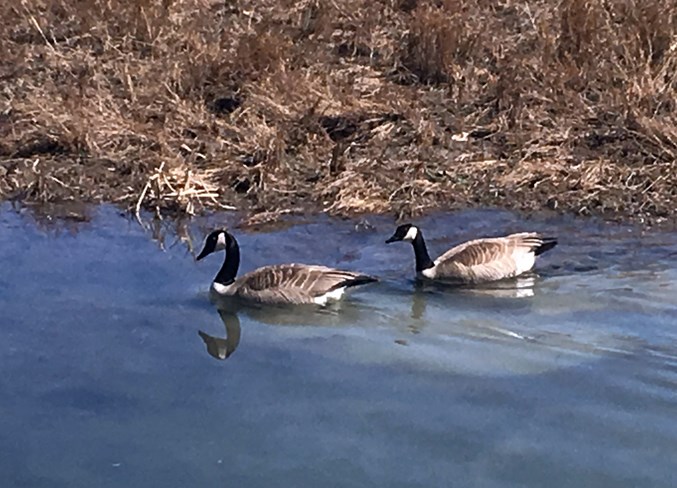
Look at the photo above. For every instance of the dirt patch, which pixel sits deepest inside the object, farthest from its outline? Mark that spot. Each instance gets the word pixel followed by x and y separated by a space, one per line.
pixel 396 106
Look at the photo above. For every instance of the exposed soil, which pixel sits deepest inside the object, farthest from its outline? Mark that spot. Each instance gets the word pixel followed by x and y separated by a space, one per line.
pixel 346 107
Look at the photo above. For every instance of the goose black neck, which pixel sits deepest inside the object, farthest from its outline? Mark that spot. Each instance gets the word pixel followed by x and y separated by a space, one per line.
pixel 231 264
pixel 423 260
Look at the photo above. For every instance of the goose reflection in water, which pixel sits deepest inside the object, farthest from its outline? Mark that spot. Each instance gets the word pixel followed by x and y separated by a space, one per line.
pixel 505 294
pixel 334 315
pixel 347 314
pixel 519 287
pixel 222 348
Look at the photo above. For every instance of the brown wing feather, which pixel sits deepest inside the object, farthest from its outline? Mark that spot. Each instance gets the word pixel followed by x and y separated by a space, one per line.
pixel 291 283
pixel 486 259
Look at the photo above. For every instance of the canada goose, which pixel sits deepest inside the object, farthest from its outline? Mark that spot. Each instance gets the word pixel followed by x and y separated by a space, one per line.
pixel 277 284
pixel 479 260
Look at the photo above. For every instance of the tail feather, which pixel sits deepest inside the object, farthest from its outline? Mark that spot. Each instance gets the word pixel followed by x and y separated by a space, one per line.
pixel 546 244
pixel 355 281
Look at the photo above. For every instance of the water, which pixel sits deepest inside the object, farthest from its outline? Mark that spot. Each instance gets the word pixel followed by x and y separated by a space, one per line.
pixel 570 380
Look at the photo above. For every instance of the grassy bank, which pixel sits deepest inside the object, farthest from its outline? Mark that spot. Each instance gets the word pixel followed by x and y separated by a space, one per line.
pixel 344 106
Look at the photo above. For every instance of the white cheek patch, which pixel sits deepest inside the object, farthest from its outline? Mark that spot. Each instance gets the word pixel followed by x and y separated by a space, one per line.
pixel 411 234
pixel 221 241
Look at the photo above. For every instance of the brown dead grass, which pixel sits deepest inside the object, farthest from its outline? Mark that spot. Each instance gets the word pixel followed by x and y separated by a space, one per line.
pixel 344 106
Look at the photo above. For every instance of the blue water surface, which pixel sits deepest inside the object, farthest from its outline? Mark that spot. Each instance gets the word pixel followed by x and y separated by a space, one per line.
pixel 569 379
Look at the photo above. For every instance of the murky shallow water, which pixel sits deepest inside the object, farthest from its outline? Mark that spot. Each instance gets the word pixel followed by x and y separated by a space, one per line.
pixel 105 382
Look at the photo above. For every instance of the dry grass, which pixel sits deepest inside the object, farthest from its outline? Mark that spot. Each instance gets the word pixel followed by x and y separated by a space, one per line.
pixel 344 106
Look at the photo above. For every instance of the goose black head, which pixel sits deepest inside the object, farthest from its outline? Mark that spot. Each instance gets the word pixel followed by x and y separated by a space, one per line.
pixel 216 241
pixel 405 232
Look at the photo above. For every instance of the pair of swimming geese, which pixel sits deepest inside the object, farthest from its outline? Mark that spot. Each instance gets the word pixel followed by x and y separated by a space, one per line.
pixel 473 262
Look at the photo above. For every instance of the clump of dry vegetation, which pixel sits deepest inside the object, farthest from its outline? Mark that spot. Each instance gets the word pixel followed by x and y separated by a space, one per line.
pixel 343 106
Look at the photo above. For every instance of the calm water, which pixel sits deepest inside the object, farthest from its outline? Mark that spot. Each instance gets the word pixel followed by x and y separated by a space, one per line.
pixel 570 380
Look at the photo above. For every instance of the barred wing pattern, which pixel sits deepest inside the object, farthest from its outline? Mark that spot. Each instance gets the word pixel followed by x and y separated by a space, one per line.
pixel 294 283
pixel 489 259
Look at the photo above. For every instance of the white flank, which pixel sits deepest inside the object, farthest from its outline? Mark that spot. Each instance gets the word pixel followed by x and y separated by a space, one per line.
pixel 331 295
pixel 411 233
pixel 524 261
